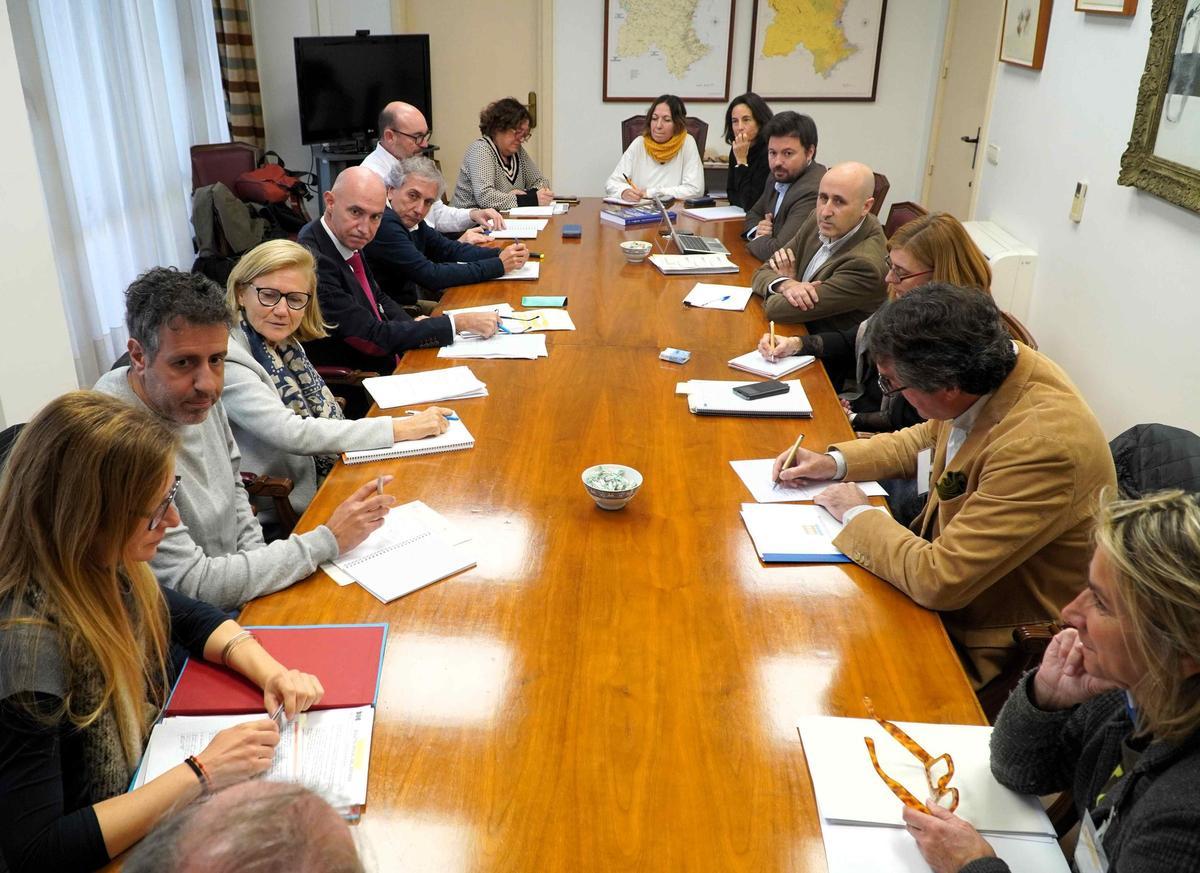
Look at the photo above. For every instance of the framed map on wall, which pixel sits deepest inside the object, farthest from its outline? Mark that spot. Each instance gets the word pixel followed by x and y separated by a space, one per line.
pixel 816 49
pixel 654 47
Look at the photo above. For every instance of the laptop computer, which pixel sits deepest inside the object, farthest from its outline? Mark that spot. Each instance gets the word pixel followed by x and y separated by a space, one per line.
pixel 690 243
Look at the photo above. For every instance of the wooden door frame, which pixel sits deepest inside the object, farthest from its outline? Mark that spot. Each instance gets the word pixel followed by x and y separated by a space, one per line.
pixel 935 127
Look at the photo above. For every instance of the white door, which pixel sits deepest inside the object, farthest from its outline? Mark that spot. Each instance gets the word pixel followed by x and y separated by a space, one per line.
pixel 958 140
pixel 481 52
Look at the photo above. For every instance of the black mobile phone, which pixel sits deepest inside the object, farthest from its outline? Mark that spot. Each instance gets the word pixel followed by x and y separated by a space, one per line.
pixel 757 390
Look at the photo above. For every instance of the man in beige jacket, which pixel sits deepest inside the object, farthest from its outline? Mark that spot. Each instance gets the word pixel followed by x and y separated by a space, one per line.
pixel 1013 459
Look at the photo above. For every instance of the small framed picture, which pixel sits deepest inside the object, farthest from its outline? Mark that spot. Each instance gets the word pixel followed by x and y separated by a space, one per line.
pixel 1026 26
pixel 1107 7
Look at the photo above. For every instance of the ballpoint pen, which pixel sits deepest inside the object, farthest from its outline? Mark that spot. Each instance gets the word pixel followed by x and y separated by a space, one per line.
pixel 708 302
pixel 453 417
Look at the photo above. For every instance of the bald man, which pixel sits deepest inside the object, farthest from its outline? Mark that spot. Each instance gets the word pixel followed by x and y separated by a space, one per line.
pixel 370 329
pixel 829 276
pixel 404 133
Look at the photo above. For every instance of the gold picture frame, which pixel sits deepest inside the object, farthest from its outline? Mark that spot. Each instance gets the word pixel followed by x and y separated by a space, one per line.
pixel 1171 74
pixel 1026 28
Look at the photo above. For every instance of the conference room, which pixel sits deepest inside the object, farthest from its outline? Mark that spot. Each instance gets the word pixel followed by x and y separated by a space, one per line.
pixel 646 687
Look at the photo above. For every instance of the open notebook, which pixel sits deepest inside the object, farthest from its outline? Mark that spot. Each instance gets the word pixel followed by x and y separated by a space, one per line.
pixel 456 438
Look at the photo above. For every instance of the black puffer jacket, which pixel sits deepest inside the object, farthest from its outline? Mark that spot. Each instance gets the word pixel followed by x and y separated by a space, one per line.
pixel 1151 457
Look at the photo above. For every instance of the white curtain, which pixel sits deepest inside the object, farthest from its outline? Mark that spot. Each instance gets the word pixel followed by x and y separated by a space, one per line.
pixel 117 92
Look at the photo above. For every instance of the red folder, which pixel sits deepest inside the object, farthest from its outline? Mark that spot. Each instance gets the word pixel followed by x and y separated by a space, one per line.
pixel 345 657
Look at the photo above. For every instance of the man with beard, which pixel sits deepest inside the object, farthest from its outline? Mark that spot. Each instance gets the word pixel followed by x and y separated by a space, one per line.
pixel 791 191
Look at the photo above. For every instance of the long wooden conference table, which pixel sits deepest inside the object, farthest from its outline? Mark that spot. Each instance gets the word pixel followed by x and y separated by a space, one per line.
pixel 616 691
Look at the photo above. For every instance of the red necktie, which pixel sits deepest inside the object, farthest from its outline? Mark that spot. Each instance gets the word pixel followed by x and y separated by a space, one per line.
pixel 356 265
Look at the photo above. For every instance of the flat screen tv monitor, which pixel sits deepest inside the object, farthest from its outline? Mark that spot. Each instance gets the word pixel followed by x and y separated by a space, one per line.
pixel 343 81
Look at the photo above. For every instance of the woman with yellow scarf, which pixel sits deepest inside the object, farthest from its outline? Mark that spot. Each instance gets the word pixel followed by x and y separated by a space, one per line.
pixel 664 162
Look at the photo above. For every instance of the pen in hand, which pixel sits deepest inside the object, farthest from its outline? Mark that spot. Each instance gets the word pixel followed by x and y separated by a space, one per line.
pixel 791 456
pixel 773 341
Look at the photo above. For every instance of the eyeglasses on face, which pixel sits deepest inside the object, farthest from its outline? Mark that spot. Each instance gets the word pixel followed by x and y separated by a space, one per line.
pixel 888 389
pixel 418 138
pixel 522 135
pixel 900 273
pixel 270 297
pixel 160 512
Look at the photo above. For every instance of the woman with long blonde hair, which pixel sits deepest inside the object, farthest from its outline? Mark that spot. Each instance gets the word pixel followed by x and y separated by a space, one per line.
pixel 1113 711
pixel 85 498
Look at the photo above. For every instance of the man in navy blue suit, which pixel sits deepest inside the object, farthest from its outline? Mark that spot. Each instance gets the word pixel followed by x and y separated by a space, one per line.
pixel 370 330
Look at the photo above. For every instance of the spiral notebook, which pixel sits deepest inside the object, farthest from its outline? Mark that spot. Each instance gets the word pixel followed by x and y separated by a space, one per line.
pixel 456 438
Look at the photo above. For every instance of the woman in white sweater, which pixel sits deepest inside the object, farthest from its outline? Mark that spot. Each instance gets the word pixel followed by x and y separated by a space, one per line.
pixel 284 418
pixel 663 162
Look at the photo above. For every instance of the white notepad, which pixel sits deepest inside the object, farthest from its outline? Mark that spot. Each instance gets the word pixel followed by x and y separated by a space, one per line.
pixel 693 265
pixel 708 296
pixel 708 397
pixel 715 213
pixel 531 269
pixel 501 309
pixel 456 438
pixel 533 211
pixel 430 386
pixel 500 345
pixel 754 362
pixel 520 228
pixel 792 532
pixel 756 476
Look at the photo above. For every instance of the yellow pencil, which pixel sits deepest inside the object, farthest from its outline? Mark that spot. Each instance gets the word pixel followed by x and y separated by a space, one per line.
pixel 791 456
pixel 772 338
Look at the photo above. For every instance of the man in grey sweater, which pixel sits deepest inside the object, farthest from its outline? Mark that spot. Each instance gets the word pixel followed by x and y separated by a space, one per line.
pixel 179 332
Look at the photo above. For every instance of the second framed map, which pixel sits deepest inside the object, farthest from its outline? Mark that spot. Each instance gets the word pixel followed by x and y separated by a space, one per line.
pixel 816 49
pixel 654 47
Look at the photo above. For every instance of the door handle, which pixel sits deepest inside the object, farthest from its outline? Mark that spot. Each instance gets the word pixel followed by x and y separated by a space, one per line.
pixel 533 108
pixel 974 142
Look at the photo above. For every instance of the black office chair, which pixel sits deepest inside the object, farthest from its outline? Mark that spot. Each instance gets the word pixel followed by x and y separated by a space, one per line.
pixel 8 436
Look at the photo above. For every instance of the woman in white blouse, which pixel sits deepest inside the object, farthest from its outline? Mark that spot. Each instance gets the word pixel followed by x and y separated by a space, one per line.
pixel 663 162
pixel 284 418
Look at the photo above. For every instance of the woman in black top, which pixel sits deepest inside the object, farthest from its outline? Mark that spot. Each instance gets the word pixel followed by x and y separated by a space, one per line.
pixel 85 499
pixel 744 121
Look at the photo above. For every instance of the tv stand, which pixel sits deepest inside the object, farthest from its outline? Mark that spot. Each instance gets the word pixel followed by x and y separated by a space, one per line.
pixel 331 159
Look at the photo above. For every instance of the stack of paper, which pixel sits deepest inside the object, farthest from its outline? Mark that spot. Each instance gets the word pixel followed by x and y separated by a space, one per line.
pixel 538 211
pixel 693 265
pixel 715 213
pixel 430 386
pixel 538 319
pixel 456 438
pixel 501 309
pixel 756 476
pixel 754 362
pixel 501 345
pixel 716 397
pixel 792 533
pixel 530 270
pixel 861 819
pixel 707 296
pixel 520 228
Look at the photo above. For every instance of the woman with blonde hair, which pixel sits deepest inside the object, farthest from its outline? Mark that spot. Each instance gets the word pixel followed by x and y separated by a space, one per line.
pixel 932 248
pixel 85 498
pixel 284 418
pixel 1113 711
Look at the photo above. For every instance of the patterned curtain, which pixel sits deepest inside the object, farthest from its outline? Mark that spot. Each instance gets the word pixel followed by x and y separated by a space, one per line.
pixel 239 72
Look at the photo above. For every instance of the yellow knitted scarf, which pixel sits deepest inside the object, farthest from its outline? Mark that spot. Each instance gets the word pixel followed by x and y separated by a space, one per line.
pixel 664 151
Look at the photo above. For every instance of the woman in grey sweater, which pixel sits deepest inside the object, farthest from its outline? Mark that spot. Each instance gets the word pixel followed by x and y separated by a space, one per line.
pixel 284 418
pixel 1113 711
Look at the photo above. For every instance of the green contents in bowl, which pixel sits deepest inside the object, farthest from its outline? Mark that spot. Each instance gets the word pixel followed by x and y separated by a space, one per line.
pixel 610 480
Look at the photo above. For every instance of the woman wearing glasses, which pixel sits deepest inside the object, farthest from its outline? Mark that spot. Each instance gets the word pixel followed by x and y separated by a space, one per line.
pixel 496 167
pixel 284 418
pixel 933 248
pixel 1113 711
pixel 84 632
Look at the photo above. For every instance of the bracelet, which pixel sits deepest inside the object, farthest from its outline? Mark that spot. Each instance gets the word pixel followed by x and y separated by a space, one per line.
pixel 201 774
pixel 234 641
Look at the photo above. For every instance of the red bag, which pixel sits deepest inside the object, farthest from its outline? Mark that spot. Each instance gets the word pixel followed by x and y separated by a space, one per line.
pixel 270 183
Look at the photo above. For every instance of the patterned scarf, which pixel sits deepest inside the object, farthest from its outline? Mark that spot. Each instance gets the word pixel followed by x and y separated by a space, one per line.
pixel 299 385
pixel 510 165
pixel 664 151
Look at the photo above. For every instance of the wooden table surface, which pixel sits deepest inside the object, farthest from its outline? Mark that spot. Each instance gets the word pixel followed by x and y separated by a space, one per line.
pixel 616 691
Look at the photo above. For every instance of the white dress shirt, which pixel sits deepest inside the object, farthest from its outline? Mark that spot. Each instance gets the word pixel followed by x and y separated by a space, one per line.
pixel 447 219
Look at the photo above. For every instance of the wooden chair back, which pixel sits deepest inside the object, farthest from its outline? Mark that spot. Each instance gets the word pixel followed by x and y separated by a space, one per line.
pixel 901 214
pixel 635 126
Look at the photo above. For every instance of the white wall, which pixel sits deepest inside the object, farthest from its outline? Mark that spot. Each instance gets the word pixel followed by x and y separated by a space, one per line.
pixel 36 361
pixel 1116 299
pixel 275 23
pixel 890 134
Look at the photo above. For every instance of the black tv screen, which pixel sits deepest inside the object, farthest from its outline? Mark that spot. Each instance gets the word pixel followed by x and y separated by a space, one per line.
pixel 343 81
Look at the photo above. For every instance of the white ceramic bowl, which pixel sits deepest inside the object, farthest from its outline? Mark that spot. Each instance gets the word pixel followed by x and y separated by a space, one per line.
pixel 611 485
pixel 636 250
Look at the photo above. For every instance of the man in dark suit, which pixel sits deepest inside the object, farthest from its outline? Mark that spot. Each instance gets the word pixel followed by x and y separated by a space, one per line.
pixel 791 191
pixel 413 262
pixel 370 329
pixel 829 276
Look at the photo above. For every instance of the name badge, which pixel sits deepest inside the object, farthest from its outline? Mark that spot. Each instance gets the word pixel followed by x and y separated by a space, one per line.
pixel 1089 853
pixel 924 470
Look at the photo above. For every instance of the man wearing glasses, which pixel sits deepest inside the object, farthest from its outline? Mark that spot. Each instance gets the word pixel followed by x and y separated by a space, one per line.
pixel 404 133
pixel 178 338
pixel 1011 456
pixel 830 274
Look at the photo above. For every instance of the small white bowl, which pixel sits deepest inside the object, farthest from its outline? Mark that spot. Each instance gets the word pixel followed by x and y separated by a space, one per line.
pixel 603 492
pixel 635 250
